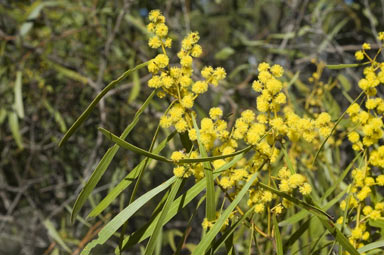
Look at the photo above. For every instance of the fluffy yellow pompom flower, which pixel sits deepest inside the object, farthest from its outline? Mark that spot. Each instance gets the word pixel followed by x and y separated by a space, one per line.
pixel 200 87
pixel 192 134
pixel 187 101
pixel 277 70
pixel 257 86
pixel 162 60
pixel 177 156
pixel 161 30
pixel 215 113
pixel 366 46
pixel 259 208
pixel 263 67
pixel 305 189
pixel 354 137
pixel 154 15
pixel 359 55
pixel 179 171
pixel 154 42
pixel 380 180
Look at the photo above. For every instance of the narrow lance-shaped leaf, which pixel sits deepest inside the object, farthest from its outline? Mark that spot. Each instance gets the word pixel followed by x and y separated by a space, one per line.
pixel 211 205
pixel 208 238
pixel 112 226
pixel 90 108
pixel 164 212
pixel 105 161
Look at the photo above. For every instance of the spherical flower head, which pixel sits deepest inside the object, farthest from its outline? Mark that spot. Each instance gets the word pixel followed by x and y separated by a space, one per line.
pixel 154 42
pixel 186 61
pixel 296 180
pixel 206 72
pixel 167 81
pixel 196 51
pixel 380 180
pixel 371 103
pixel 200 87
pixel 179 171
pixel 263 67
pixel 278 209
pixel 280 98
pixel 177 156
pixel 192 134
pixel 187 44
pixel 353 109
pixel 366 46
pixel 206 125
pixel 218 163
pixel 154 15
pixel 267 196
pixel 154 82
pixel 161 30
pixel 225 182
pixel 305 189
pixel 248 116
pixel 181 126
pixel 257 86
pixel 264 76
pixel 375 215
pixel 168 43
pixel 151 27
pixel 255 132
pixel 274 86
pixel 359 55
pixel 381 36
pixel 353 137
pixel 259 208
pixel 194 37
pixel 219 73
pixel 152 67
pixel 165 121
pixel 356 233
pixel 323 119
pixel 187 101
pixel 262 104
pixel 284 173
pixel 161 60
pixel 215 113
pixel 277 70
pixel 367 210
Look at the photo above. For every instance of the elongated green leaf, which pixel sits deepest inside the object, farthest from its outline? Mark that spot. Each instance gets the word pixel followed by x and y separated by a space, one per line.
pixel 177 205
pixel 211 205
pixel 55 235
pixel 340 238
pixel 68 73
pixel 112 226
pixel 230 231
pixel 279 242
pixel 297 234
pixel 19 107
pixel 128 179
pixel 208 238
pixel 164 212
pixel 132 147
pixel 56 115
pixel 342 66
pixel 105 161
pixel 90 108
pixel 371 246
pixel 13 122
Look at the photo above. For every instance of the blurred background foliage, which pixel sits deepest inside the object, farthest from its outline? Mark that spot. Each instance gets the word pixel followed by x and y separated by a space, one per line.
pixel 55 56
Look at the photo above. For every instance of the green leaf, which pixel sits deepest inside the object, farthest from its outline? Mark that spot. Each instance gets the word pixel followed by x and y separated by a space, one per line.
pixel 164 212
pixel 208 238
pixel 19 107
pixel 345 84
pixel 90 108
pixel 342 66
pixel 224 53
pixel 58 118
pixel 371 246
pixel 340 238
pixel 128 179
pixel 177 205
pixel 216 245
pixel 210 202
pixel 13 122
pixel 113 225
pixel 132 147
pixel 55 235
pixel 105 161
pixel 136 84
pixel 279 243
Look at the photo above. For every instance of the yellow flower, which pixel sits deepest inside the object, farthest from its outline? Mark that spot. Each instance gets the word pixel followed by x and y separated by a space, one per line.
pixel 161 30
pixel 154 15
pixel 259 208
pixel 305 189
pixel 353 137
pixel 187 101
pixel 366 46
pixel 380 180
pixel 161 60
pixel 215 113
pixel 179 171
pixel 263 67
pixel 196 51
pixel 177 156
pixel 200 87
pixel 277 70
pixel 154 42
pixel 359 55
